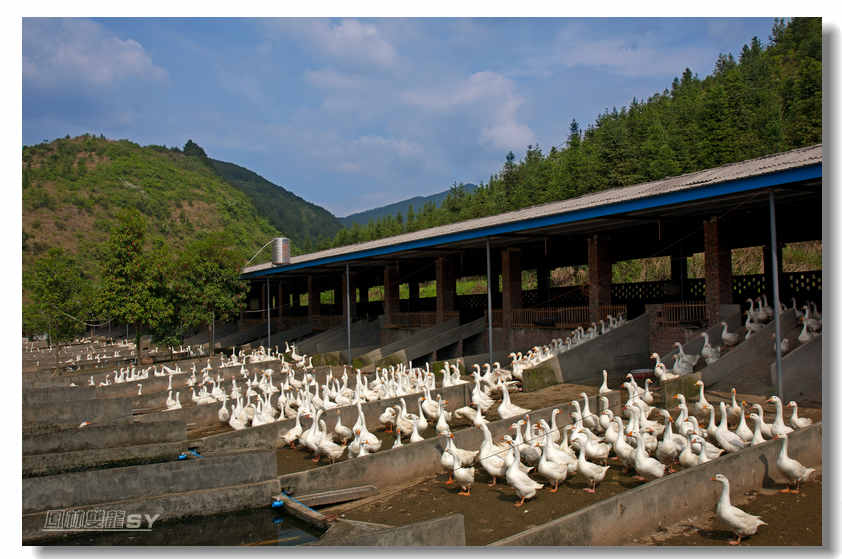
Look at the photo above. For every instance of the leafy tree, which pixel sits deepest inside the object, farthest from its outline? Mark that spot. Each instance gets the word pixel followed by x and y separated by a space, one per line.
pixel 194 149
pixel 207 283
pixel 60 296
pixel 134 278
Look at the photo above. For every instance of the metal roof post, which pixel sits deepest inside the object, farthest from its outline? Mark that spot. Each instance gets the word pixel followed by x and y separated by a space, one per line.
pixel 348 307
pixel 776 293
pixel 488 289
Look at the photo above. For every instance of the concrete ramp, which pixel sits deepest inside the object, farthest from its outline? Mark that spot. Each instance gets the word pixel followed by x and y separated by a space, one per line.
pixel 369 359
pixel 278 338
pixel 801 372
pixel 618 351
pixel 744 367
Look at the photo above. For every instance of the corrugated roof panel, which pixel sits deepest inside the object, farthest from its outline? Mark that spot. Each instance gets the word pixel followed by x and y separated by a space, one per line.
pixel 734 171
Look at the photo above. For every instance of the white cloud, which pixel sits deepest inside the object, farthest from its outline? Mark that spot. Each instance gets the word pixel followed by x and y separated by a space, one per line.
pixel 327 78
pixel 632 55
pixel 490 99
pixel 348 39
pixel 61 51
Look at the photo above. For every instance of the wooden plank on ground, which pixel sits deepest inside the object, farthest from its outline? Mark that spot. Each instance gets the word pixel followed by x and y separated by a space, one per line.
pixel 301 511
pixel 338 495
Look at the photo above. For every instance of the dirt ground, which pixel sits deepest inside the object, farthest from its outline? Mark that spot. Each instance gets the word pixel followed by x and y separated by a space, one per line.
pixel 794 520
pixel 431 498
pixel 489 512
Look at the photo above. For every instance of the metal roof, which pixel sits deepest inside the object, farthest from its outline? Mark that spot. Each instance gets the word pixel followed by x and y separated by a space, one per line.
pixel 762 172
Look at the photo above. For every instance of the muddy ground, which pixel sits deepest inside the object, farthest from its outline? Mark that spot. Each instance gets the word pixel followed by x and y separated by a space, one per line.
pixel 793 520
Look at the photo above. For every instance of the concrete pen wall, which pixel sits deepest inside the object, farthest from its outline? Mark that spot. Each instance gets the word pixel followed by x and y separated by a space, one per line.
pixel 639 511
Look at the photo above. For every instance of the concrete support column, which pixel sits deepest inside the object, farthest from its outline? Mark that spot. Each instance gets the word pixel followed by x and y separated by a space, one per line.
pixel 445 286
pixel 599 275
pixel 413 295
pixel 391 292
pixel 510 265
pixel 717 269
pixel 314 305
pixel 767 269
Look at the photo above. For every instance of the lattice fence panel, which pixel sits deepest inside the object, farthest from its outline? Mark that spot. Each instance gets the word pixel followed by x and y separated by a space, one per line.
pixel 803 286
pixel 750 286
pixel 696 289
pixel 645 291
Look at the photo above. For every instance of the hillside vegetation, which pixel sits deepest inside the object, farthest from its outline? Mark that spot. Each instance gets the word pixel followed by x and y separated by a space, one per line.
pixel 73 189
pixel 303 222
pixel 767 100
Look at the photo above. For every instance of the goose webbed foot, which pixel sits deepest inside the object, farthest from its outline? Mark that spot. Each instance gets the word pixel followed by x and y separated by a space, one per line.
pixel 493 482
pixel 465 493
pixel 786 490
pixel 520 504
pixel 737 541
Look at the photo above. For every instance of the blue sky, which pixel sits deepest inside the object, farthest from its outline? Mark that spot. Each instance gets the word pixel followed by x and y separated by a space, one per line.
pixel 355 113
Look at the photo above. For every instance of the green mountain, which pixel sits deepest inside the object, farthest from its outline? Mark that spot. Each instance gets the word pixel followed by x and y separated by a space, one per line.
pixel 74 187
pixel 766 100
pixel 303 222
pixel 417 202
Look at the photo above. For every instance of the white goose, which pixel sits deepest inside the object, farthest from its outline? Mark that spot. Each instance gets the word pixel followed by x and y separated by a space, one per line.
pixel 594 473
pixel 795 421
pixel 742 429
pixel 757 437
pixel 553 471
pixel 603 389
pixel 739 521
pixel 765 428
pixel 726 439
pixel 778 426
pixel 462 475
pixel 648 468
pixel 702 404
pixel 729 338
pixel 525 487
pixel 794 470
pixel 507 409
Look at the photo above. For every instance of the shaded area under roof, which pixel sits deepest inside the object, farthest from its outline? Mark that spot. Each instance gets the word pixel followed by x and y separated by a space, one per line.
pixel 793 166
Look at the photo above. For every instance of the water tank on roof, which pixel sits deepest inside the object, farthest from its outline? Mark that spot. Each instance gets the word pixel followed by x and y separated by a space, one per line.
pixel 280 251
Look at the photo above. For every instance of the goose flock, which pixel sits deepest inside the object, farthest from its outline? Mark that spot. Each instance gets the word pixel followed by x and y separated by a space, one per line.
pixel 649 448
pixel 756 318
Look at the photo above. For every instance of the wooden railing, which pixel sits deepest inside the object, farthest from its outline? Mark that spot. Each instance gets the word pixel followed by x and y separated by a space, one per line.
pixel 555 317
pixel 417 319
pixel 674 314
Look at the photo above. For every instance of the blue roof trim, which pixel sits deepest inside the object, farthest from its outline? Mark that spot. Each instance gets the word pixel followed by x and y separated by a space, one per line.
pixel 807 172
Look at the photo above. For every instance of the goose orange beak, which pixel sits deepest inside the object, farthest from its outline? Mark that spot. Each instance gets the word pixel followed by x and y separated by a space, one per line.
pixel 713 479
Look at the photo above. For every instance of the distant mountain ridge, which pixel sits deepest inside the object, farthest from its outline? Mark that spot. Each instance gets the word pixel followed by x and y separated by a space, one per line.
pixel 401 207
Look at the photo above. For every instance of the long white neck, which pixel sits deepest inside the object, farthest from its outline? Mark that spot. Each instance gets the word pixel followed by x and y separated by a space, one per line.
pixel 779 412
pixel 724 497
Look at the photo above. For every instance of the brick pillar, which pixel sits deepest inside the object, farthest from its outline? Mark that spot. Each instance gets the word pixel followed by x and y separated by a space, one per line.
pixel 391 292
pixel 445 286
pixel 413 295
pixel 261 285
pixel 510 265
pixel 314 306
pixel 767 271
pixel 343 299
pixel 717 270
pixel 678 273
pixel 543 273
pixel 599 275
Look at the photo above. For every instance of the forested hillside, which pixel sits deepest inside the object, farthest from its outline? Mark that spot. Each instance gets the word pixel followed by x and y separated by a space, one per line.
pixel 303 222
pixel 75 188
pixel 765 100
